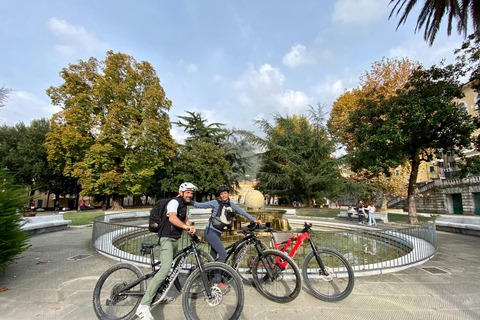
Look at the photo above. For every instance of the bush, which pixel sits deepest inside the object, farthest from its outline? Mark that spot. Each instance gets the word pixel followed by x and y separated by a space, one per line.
pixel 13 240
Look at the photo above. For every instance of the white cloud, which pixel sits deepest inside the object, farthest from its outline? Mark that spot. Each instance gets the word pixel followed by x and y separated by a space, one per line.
pixel 334 86
pixel 297 56
pixel 359 11
pixel 178 134
pixel 261 92
pixel 191 68
pixel 419 50
pixel 75 39
pixel 25 106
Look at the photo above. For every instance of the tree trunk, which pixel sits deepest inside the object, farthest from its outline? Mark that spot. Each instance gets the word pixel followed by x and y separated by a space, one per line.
pixel 309 201
pixel 412 209
pixel 116 202
pixel 384 200
pixel 137 200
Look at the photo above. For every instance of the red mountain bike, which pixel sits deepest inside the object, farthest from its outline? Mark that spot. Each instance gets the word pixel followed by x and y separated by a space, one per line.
pixel 326 272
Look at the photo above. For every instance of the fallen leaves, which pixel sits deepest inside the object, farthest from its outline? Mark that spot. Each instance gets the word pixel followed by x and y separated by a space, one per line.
pixel 43 262
pixel 3 289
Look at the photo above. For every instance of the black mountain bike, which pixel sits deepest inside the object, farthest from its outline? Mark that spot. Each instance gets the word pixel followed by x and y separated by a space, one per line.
pixel 260 266
pixel 120 289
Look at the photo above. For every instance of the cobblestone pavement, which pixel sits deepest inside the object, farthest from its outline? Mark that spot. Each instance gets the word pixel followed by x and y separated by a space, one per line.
pixel 55 277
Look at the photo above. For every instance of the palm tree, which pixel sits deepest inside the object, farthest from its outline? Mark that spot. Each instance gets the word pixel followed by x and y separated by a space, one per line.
pixel 4 92
pixel 433 12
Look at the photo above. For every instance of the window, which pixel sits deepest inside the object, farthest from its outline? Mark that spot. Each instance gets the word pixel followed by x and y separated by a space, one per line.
pixel 397 172
pixel 432 169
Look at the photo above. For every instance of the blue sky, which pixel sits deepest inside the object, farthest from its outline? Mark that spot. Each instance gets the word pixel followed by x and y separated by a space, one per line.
pixel 233 61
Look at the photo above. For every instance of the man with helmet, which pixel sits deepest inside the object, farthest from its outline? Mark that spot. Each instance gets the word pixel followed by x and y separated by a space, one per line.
pixel 212 234
pixel 176 212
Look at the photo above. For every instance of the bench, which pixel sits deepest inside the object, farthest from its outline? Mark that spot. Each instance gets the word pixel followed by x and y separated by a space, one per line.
pixel 43 224
pixel 458 224
pixel 379 216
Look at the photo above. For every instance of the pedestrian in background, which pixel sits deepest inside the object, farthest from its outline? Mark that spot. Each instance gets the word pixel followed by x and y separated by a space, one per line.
pixel 371 214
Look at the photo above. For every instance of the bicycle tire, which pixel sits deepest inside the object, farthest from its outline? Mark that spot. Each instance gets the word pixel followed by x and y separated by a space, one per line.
pixel 188 267
pixel 244 269
pixel 227 305
pixel 282 287
pixel 340 281
pixel 109 306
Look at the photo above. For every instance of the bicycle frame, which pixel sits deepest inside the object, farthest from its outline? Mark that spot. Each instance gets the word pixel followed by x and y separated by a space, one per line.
pixel 304 236
pixel 169 280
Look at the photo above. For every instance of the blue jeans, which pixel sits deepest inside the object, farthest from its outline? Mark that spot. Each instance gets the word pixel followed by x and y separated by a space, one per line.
pixel 371 219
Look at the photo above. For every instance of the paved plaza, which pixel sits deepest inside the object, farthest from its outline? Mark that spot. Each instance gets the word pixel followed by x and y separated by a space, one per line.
pixel 55 277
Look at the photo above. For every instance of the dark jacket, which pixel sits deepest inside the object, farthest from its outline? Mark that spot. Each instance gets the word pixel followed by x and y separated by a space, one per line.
pixel 169 230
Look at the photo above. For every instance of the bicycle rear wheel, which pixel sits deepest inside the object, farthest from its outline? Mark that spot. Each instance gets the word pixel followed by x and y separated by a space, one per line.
pixel 107 303
pixel 283 285
pixel 244 266
pixel 331 287
pixel 188 267
pixel 224 304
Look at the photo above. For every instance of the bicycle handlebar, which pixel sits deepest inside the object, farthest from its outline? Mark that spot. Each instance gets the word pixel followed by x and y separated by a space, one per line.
pixel 253 226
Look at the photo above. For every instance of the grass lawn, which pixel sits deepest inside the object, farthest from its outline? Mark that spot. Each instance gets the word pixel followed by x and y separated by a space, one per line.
pixel 403 218
pixel 82 218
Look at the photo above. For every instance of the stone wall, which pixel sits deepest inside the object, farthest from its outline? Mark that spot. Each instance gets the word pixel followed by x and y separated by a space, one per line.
pixel 436 197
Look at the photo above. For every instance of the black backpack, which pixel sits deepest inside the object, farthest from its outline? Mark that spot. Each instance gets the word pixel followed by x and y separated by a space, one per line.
pixel 224 216
pixel 156 221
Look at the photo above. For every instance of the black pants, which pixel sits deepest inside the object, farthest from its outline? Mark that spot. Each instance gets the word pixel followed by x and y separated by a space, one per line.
pixel 216 248
pixel 360 217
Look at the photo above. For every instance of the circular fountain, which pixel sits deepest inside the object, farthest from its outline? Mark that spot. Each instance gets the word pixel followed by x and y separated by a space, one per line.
pixel 255 205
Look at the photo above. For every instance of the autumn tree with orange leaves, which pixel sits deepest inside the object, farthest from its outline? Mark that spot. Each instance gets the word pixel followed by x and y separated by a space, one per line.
pixel 383 80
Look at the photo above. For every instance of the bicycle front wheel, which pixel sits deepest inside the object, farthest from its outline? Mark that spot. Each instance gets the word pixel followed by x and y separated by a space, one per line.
pixel 223 303
pixel 110 302
pixel 272 280
pixel 244 265
pixel 338 281
pixel 188 267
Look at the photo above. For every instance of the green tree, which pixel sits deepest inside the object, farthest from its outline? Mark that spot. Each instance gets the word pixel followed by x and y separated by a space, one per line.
pixel 198 129
pixel 422 118
pixel 234 143
pixel 203 164
pixel 22 152
pixel 298 158
pixel 13 240
pixel 433 12
pixel 113 131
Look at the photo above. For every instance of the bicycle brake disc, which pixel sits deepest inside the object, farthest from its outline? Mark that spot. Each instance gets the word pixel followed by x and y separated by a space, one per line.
pixel 330 275
pixel 217 295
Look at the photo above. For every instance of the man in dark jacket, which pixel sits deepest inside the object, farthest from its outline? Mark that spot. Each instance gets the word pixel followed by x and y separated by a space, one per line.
pixel 176 211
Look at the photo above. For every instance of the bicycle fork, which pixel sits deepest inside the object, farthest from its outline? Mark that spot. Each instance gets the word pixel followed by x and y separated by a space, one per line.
pixel 319 260
pixel 267 264
pixel 203 274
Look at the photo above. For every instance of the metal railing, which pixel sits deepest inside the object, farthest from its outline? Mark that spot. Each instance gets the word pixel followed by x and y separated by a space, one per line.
pixel 366 250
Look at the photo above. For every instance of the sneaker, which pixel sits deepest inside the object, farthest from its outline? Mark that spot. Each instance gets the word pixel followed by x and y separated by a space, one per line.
pixel 143 312
pixel 224 287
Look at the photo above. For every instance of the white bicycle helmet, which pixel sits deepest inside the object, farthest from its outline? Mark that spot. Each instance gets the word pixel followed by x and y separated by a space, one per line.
pixel 187 186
